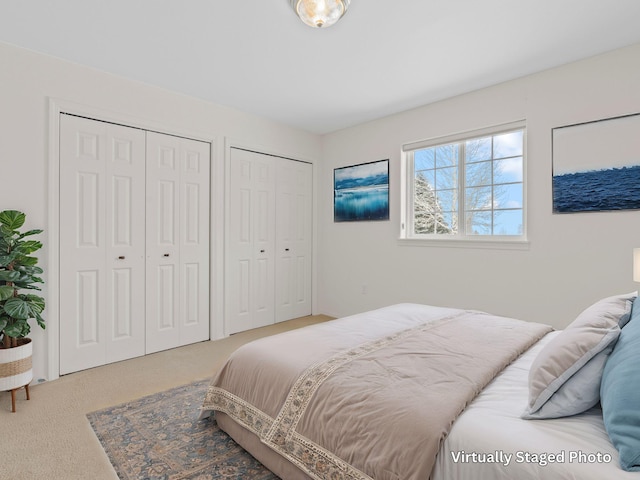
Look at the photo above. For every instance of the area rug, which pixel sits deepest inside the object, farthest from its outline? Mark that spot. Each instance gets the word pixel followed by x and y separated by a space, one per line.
pixel 159 437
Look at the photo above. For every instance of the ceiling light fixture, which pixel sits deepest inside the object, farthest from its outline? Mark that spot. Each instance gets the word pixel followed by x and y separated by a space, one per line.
pixel 320 13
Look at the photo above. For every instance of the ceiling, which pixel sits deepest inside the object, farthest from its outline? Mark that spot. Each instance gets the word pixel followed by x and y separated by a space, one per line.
pixel 383 57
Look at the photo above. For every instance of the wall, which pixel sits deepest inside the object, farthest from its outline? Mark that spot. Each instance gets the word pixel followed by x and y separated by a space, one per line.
pixel 28 80
pixel 572 260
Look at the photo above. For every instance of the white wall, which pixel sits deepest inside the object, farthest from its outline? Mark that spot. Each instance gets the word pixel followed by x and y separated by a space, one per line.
pixel 572 259
pixel 28 80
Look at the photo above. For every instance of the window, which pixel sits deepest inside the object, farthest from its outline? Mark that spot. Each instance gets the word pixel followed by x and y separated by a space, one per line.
pixel 468 186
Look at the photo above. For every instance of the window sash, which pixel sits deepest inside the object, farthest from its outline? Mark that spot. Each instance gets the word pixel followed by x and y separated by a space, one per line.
pixel 492 210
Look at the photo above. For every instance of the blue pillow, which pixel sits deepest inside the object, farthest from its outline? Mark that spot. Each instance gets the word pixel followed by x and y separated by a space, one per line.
pixel 620 393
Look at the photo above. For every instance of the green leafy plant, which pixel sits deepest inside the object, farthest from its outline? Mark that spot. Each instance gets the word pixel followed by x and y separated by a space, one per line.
pixel 18 271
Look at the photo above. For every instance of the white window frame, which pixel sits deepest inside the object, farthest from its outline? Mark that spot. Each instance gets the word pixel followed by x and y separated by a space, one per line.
pixel 460 239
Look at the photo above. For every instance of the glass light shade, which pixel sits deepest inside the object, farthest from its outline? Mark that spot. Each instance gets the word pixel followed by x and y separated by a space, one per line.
pixel 636 264
pixel 320 13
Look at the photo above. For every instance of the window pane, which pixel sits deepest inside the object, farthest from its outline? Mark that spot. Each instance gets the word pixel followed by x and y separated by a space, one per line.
pixel 478 198
pixel 507 222
pixel 478 149
pixel 507 196
pixel 423 223
pixel 427 176
pixel 446 178
pixel 447 155
pixel 507 171
pixel 424 196
pixel 478 223
pixel 435 222
pixel 425 206
pixel 508 145
pixel 448 223
pixel 477 174
pixel 424 159
pixel 447 200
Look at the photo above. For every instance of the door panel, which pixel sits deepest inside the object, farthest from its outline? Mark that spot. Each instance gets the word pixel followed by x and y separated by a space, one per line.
pixel 88 320
pixel 239 246
pixel 263 222
pixel 125 242
pixel 177 241
pixel 191 281
pixel 293 230
pixel 194 244
pixel 162 254
pixel 123 323
pixel 122 221
pixel 249 269
pixel 101 247
pixel 166 300
pixel 89 202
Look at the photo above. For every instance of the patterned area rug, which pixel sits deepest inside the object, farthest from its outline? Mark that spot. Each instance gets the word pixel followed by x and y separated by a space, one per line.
pixel 160 437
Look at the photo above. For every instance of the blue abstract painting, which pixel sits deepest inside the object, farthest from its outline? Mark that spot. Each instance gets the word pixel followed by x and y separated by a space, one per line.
pixel 361 192
pixel 596 165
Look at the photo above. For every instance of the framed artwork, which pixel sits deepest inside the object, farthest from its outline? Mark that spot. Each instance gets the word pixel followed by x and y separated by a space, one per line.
pixel 361 192
pixel 596 165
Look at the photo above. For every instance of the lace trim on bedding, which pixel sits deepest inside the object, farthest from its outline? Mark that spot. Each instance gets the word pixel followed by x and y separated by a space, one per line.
pixel 306 455
pixel 241 411
pixel 279 434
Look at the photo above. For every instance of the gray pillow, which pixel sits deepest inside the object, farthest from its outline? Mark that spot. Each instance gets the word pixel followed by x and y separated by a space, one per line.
pixel 564 379
pixel 627 316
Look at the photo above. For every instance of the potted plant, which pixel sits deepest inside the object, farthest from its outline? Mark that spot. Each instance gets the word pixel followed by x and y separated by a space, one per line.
pixel 18 273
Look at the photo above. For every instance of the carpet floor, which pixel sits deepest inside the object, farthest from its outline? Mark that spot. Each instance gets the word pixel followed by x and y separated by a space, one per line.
pixel 49 437
pixel 160 437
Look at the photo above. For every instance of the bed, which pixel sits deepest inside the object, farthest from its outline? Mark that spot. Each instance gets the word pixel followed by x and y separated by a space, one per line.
pixel 410 392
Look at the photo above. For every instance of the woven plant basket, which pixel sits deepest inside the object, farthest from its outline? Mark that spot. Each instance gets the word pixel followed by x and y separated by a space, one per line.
pixel 15 365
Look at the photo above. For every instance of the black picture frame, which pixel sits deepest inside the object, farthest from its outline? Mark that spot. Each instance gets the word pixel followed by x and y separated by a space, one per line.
pixel 361 192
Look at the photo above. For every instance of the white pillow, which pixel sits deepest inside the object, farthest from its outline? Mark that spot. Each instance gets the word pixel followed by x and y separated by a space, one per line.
pixel 564 379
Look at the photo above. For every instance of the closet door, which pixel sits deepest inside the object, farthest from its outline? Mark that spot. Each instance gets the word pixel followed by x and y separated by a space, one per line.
pixel 102 305
pixel 293 239
pixel 194 241
pixel 249 266
pixel 177 241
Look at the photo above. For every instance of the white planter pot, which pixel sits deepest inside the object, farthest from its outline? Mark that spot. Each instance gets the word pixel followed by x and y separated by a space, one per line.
pixel 15 365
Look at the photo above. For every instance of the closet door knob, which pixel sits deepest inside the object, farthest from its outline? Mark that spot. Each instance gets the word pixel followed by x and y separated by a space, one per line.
pixel 261 251
pixel 286 249
pixel 121 257
pixel 166 255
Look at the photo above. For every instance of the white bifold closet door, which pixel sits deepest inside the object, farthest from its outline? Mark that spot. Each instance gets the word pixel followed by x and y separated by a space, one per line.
pixel 293 239
pixel 177 241
pixel 250 252
pixel 134 242
pixel 102 243
pixel 268 251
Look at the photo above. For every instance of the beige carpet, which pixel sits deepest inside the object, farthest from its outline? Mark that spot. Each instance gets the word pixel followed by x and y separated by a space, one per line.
pixel 50 438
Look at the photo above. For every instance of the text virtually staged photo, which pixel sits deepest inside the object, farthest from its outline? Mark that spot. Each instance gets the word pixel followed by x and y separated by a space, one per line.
pixel 320 240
